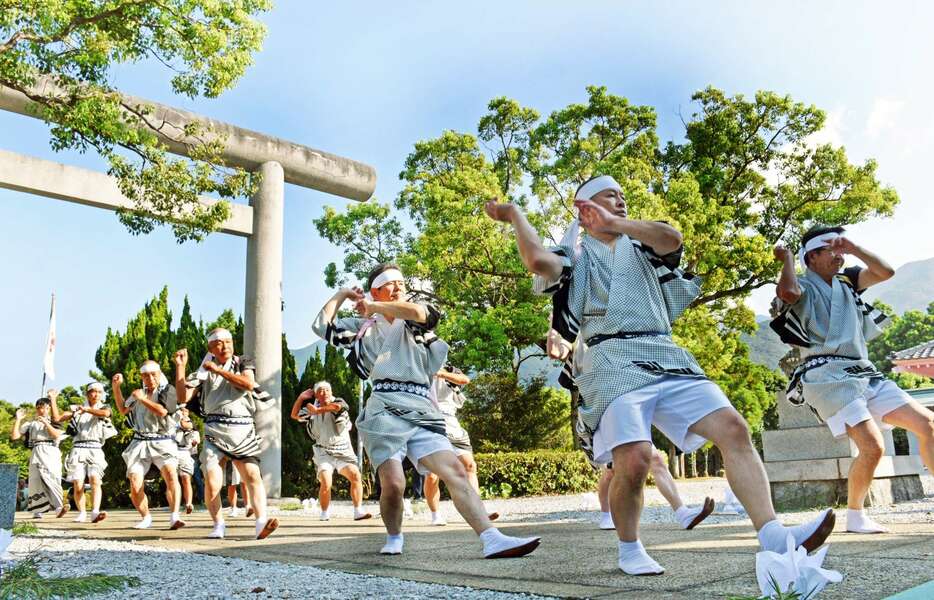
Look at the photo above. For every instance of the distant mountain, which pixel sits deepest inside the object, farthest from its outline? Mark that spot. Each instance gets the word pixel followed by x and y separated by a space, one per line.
pixel 912 287
pixel 765 347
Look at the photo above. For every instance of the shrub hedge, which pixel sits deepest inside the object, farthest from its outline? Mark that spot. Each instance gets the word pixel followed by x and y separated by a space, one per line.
pixel 535 473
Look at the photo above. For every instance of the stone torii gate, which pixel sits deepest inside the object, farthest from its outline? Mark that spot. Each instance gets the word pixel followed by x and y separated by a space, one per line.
pixel 277 161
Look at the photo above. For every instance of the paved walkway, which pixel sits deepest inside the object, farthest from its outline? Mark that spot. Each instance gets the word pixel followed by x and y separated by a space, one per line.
pixel 574 560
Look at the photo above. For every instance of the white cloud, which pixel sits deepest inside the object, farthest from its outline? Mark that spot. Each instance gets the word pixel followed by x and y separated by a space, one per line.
pixel 883 116
pixel 832 131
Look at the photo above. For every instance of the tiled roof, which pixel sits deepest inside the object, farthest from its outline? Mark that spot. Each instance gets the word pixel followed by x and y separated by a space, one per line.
pixel 925 350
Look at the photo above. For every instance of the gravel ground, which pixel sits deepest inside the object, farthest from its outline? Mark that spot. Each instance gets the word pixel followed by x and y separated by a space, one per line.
pixel 68 555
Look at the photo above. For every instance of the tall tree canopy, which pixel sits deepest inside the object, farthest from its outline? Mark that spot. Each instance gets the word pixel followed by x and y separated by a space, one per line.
pixel 61 54
pixel 745 176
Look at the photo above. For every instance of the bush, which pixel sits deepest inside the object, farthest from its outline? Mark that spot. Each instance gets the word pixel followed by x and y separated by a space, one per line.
pixel 535 473
pixel 502 414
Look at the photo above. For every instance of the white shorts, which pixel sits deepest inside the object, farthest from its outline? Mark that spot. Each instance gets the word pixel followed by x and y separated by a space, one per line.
pixel 882 396
pixel 673 404
pixel 422 444
pixel 332 464
pixel 141 465
pixel 84 463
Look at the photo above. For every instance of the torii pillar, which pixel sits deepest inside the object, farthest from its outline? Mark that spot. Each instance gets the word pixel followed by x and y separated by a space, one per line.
pixel 277 161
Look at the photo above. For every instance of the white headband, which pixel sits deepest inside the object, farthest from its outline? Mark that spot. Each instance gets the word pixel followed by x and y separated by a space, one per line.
pixel 150 367
pixel 220 334
pixel 387 276
pixel 95 386
pixel 595 186
pixel 321 384
pixel 814 243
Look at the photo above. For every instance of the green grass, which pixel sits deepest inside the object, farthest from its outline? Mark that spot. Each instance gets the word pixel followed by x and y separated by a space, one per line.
pixel 290 506
pixel 25 528
pixel 24 581
pixel 789 595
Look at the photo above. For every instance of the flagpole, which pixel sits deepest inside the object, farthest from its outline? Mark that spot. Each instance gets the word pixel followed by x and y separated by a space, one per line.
pixel 49 340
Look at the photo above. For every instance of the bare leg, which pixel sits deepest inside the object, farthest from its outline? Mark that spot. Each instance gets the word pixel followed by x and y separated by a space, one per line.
pixel 96 493
pixel 744 471
pixel 245 492
pixel 470 465
pixel 213 482
pixel 664 481
pixel 392 486
pixel 919 421
pixel 184 480
pixel 450 470
pixel 232 496
pixel 255 494
pixel 630 468
pixel 868 440
pixel 603 490
pixel 324 488
pixel 356 484
pixel 433 492
pixel 77 489
pixel 172 489
pixel 138 494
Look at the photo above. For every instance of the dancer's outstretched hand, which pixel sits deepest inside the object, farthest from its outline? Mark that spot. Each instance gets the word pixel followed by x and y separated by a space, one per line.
pixel 117 380
pixel 21 413
pixel 594 217
pixel 180 358
pixel 499 211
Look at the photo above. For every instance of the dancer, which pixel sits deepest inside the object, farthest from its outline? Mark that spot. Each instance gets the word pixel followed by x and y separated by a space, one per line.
pixel 90 426
pixel 42 437
pixel 187 439
pixel 327 422
pixel 225 386
pixel 450 397
pixel 394 346
pixel 150 413
pixel 620 289
pixel 823 313
pixel 687 517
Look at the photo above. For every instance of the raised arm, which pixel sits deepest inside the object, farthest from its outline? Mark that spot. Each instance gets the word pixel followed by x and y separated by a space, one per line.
pixel 103 413
pixel 245 380
pixel 297 405
pixel 50 428
pixel 534 256
pixel 660 237
pixel 455 378
pixel 17 423
pixel 182 392
pixel 876 271
pixel 57 416
pixel 787 289
pixel 407 311
pixel 116 381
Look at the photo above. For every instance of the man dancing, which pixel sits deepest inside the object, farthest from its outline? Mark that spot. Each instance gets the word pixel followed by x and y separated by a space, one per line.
pixel 327 422
pixel 187 439
pixel 226 389
pixel 450 398
pixel 90 427
pixel 394 346
pixel 822 313
pixel 619 289
pixel 45 460
pixel 150 413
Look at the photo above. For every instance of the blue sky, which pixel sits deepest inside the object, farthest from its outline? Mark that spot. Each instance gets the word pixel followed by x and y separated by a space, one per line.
pixel 369 80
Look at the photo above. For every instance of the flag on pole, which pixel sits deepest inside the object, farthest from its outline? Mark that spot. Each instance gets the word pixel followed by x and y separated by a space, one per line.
pixel 48 364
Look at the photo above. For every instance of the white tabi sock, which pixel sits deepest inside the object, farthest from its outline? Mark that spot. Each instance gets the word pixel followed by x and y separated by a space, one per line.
pixel 218 532
pixel 685 515
pixel 438 519
pixel 358 512
pixel 393 544
pixel 145 523
pixel 773 534
pixel 324 516
pixel 81 518
pixel 175 517
pixel 495 542
pixel 407 508
pixel 634 560
pixel 858 522
pixel 606 521
pixel 260 524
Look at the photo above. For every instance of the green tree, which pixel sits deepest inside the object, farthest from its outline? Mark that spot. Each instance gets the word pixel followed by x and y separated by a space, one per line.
pixel 909 329
pixel 745 177
pixel 61 54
